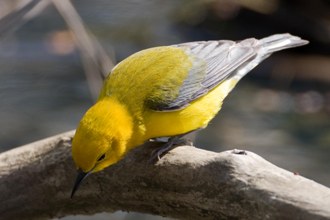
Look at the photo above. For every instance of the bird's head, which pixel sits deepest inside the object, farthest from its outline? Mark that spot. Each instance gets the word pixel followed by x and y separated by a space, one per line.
pixel 101 138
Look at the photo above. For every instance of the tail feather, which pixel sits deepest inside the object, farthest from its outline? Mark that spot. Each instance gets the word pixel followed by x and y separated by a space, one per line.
pixel 265 47
pixel 279 42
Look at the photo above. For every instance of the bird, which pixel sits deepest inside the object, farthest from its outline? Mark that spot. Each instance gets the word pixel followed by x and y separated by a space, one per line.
pixel 165 91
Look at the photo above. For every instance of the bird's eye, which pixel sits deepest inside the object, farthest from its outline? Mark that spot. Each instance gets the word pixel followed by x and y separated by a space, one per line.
pixel 101 157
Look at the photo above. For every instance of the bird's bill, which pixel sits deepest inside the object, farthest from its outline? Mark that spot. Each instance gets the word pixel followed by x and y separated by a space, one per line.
pixel 80 177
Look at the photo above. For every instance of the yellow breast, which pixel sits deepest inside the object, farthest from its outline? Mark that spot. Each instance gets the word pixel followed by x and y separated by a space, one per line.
pixel 197 115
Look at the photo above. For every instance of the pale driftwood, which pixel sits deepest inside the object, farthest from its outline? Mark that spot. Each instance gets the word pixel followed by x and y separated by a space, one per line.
pixel 187 183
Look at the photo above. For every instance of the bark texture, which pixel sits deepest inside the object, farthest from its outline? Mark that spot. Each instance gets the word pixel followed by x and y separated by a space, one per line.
pixel 187 183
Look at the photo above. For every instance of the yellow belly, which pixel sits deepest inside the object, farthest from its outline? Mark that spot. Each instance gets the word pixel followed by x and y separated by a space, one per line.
pixel 197 115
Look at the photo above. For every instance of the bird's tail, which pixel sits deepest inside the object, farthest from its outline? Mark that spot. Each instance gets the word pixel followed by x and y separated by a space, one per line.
pixel 280 42
pixel 265 47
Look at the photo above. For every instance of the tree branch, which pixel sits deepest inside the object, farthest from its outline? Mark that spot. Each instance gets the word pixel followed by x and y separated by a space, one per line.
pixel 187 183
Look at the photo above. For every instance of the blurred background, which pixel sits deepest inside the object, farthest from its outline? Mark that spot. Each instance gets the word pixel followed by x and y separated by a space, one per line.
pixel 54 54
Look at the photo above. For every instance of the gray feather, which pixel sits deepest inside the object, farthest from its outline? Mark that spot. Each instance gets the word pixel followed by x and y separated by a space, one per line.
pixel 215 61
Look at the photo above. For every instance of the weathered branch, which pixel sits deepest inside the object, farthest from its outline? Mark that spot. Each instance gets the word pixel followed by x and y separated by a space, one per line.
pixel 187 183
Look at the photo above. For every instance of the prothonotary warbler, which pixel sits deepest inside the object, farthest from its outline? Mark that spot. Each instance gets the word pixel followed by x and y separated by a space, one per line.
pixel 164 91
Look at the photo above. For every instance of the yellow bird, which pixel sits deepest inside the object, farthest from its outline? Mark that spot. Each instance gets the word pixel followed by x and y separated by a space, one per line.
pixel 164 91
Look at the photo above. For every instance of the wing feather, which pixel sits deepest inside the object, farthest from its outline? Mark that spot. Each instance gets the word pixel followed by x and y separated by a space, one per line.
pixel 213 62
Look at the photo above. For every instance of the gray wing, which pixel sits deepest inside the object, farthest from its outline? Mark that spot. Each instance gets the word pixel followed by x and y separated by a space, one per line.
pixel 213 62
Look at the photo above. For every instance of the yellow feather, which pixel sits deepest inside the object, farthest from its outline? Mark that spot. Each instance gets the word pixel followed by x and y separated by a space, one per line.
pixel 197 115
pixel 105 129
pixel 137 77
pixel 126 115
pixel 120 120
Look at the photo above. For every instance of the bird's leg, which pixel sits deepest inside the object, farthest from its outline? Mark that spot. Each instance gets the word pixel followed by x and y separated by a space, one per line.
pixel 156 154
pixel 175 140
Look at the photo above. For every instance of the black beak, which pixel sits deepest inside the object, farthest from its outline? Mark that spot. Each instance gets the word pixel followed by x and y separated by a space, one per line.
pixel 80 177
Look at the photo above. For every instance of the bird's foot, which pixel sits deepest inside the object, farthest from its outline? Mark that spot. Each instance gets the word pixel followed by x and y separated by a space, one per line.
pixel 169 145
